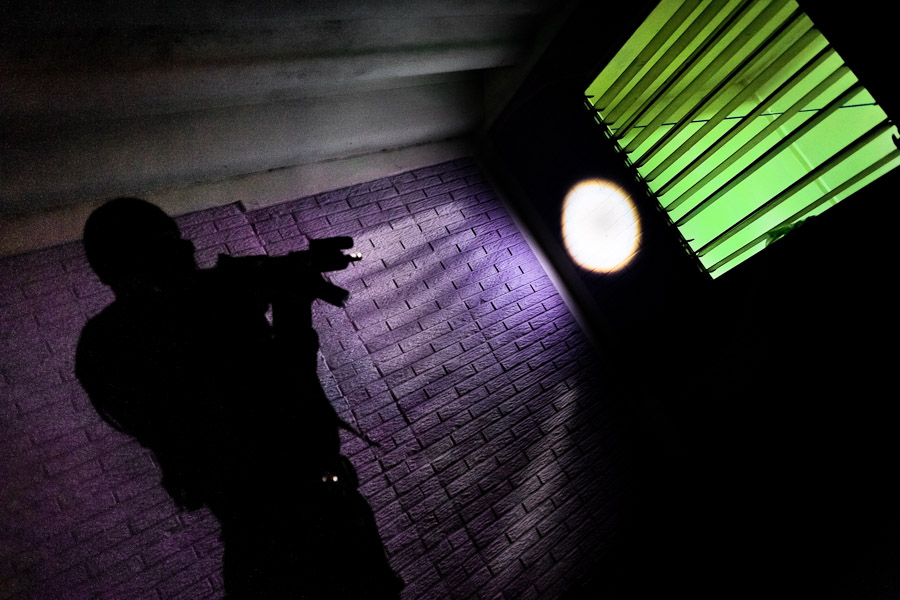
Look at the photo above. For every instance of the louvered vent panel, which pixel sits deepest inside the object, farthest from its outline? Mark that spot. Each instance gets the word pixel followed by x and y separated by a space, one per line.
pixel 742 120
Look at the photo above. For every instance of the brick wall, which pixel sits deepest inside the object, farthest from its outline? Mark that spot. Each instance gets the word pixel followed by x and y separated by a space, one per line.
pixel 496 470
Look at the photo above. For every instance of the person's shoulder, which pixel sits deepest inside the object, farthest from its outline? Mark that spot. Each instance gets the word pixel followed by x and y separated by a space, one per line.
pixel 102 333
pixel 106 320
pixel 95 336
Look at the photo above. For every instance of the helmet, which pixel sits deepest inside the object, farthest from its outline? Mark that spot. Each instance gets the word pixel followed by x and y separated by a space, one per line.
pixel 132 237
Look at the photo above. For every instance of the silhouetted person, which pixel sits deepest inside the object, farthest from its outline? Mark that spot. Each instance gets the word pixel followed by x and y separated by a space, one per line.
pixel 186 361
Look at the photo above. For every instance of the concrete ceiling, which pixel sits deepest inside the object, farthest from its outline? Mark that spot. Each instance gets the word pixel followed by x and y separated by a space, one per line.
pixel 200 103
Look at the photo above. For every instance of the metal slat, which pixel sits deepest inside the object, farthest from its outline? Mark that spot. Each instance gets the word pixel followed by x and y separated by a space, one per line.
pixel 784 31
pixel 721 58
pixel 621 108
pixel 746 92
pixel 882 162
pixel 782 90
pixel 674 51
pixel 685 66
pixel 771 152
pixel 671 26
pixel 798 185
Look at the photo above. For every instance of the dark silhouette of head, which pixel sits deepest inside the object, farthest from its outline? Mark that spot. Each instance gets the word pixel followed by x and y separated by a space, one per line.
pixel 129 239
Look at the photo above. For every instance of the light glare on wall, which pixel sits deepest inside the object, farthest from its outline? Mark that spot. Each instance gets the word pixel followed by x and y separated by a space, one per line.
pixel 600 226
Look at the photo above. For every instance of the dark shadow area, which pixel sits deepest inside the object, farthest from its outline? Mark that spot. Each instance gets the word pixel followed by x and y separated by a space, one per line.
pixel 186 361
pixel 761 427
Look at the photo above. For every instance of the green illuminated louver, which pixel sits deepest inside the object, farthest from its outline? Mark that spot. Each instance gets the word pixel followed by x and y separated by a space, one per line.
pixel 742 120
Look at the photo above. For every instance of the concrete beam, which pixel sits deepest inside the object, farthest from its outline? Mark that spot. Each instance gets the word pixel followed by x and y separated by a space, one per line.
pixel 167 45
pixel 41 230
pixel 114 94
pixel 54 167
pixel 51 14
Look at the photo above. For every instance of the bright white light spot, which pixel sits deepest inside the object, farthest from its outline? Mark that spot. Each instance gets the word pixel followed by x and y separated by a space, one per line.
pixel 600 226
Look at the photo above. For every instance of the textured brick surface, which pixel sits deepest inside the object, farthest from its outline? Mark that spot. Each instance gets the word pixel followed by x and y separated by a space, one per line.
pixel 495 473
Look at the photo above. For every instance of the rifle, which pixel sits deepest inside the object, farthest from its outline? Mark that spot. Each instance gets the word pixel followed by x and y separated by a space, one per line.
pixel 291 282
pixel 299 273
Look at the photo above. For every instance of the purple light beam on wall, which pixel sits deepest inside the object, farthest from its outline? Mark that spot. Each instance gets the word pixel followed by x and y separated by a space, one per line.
pixel 455 353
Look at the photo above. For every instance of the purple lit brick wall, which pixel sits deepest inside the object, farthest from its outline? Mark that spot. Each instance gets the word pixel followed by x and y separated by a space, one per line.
pixel 496 471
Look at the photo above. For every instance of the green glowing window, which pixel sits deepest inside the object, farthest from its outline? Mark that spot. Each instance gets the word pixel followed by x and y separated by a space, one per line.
pixel 742 120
